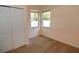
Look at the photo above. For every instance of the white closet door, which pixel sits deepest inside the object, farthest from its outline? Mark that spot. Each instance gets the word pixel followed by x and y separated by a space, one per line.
pixel 18 27
pixel 6 42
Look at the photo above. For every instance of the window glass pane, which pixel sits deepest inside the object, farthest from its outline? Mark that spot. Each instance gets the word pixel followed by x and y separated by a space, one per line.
pixel 46 23
pixel 46 19
pixel 34 19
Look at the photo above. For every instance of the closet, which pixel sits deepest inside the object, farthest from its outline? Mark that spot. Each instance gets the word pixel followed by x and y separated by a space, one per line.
pixel 11 28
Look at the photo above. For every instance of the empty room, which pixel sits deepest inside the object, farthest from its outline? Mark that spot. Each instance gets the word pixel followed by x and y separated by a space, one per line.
pixel 39 28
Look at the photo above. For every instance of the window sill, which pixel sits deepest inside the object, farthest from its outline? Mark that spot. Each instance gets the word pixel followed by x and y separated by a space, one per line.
pixel 46 27
pixel 34 27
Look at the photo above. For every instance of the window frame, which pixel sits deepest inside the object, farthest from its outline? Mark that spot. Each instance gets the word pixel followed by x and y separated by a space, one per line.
pixel 37 20
pixel 49 19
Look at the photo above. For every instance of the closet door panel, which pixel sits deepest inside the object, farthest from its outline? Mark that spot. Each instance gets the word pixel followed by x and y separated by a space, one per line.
pixel 18 27
pixel 5 29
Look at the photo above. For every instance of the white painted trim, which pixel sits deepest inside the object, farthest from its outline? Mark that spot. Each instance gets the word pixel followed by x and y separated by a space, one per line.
pixel 63 41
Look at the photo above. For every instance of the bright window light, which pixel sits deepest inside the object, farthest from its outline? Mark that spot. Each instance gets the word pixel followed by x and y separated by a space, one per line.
pixel 34 19
pixel 46 19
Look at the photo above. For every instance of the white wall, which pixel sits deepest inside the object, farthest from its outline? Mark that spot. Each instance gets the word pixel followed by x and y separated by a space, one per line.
pixel 64 24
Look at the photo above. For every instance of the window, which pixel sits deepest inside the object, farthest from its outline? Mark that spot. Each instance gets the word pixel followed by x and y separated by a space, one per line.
pixel 46 19
pixel 34 19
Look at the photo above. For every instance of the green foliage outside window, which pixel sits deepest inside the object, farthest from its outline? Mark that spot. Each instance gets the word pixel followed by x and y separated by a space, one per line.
pixel 46 15
pixel 34 16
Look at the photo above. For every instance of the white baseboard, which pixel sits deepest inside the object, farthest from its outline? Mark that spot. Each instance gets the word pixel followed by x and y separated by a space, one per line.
pixel 62 41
